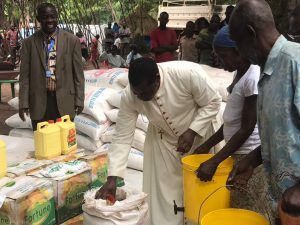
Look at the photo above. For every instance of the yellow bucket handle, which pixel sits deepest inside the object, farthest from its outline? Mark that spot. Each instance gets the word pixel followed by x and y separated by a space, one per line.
pixel 66 118
pixel 42 125
pixel 227 186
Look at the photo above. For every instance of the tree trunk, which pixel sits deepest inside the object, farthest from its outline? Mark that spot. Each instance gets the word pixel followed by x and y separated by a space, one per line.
pixel 113 12
pixel 2 21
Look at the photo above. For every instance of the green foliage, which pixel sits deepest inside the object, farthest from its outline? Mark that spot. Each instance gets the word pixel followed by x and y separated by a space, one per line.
pixel 77 11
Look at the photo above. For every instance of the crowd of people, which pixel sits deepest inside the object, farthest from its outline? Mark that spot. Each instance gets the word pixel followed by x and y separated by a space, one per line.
pixel 261 118
pixel 260 122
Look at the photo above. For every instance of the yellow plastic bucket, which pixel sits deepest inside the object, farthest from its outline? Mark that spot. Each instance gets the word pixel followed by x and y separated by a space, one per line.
pixel 196 191
pixel 233 216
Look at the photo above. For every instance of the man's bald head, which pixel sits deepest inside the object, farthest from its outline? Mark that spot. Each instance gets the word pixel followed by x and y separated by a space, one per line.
pixel 252 25
pixel 256 13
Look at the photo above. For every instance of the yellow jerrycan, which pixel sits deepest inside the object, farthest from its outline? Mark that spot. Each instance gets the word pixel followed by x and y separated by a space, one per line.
pixel 67 134
pixel 3 162
pixel 47 140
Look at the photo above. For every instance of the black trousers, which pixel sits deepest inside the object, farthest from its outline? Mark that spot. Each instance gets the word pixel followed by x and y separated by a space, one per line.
pixel 51 113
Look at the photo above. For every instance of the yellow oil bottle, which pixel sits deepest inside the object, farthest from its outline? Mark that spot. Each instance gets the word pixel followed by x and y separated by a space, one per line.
pixel 67 134
pixel 3 162
pixel 47 140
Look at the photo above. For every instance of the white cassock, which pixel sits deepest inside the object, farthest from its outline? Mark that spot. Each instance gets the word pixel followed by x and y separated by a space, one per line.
pixel 186 99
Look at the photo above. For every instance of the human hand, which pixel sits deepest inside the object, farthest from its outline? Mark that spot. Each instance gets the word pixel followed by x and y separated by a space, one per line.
pixel 207 170
pixel 240 174
pixel 108 190
pixel 78 110
pixel 22 113
pixel 186 141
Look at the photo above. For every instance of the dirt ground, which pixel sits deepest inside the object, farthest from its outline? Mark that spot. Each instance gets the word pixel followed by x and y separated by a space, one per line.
pixel 6 111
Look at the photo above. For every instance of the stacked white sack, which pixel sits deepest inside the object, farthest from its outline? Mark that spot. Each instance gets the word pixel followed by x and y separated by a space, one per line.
pixel 116 78
pixel 221 79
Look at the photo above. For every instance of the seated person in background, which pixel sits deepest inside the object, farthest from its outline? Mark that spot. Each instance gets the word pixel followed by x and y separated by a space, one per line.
pixel 113 60
pixel 239 130
pixel 133 55
pixel 187 44
pixel 289 207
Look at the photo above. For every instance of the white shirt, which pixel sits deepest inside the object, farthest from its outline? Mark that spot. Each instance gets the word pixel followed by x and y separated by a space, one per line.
pixel 232 116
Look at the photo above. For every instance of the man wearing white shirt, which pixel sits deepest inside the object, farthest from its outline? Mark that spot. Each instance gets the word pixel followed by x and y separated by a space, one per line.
pixel 181 105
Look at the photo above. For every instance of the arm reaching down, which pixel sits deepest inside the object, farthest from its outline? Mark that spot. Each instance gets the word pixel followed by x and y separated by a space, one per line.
pixel 120 146
pixel 207 169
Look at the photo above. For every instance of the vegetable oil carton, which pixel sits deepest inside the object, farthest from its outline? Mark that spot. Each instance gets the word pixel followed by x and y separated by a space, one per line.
pixel 27 201
pixel 67 134
pixel 76 154
pixel 26 167
pixel 98 163
pixel 70 180
pixel 78 220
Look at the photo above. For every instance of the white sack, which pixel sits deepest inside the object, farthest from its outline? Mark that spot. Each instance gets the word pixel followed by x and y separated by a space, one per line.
pixel 141 123
pixel 116 78
pixel 138 140
pixel 95 103
pixel 16 122
pixel 131 211
pixel 90 127
pixel 103 148
pixel 18 149
pixel 26 133
pixel 221 79
pixel 115 99
pixel 87 143
pixel 135 160
pixel 14 103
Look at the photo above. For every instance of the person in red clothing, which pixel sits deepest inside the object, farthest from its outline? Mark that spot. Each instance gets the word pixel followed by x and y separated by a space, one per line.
pixel 95 52
pixel 163 40
pixel 12 38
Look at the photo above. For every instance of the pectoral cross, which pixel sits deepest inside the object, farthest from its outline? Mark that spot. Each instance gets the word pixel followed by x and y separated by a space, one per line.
pixel 161 133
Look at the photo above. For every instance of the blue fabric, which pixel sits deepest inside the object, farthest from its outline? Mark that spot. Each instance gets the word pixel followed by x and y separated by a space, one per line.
pixel 278 114
pixel 222 38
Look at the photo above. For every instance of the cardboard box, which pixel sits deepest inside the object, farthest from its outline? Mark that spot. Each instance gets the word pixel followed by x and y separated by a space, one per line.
pixel 26 167
pixel 27 201
pixel 98 163
pixel 78 220
pixel 76 154
pixel 69 192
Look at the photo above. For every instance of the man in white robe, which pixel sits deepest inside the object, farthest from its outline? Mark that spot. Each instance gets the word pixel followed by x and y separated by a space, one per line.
pixel 181 105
